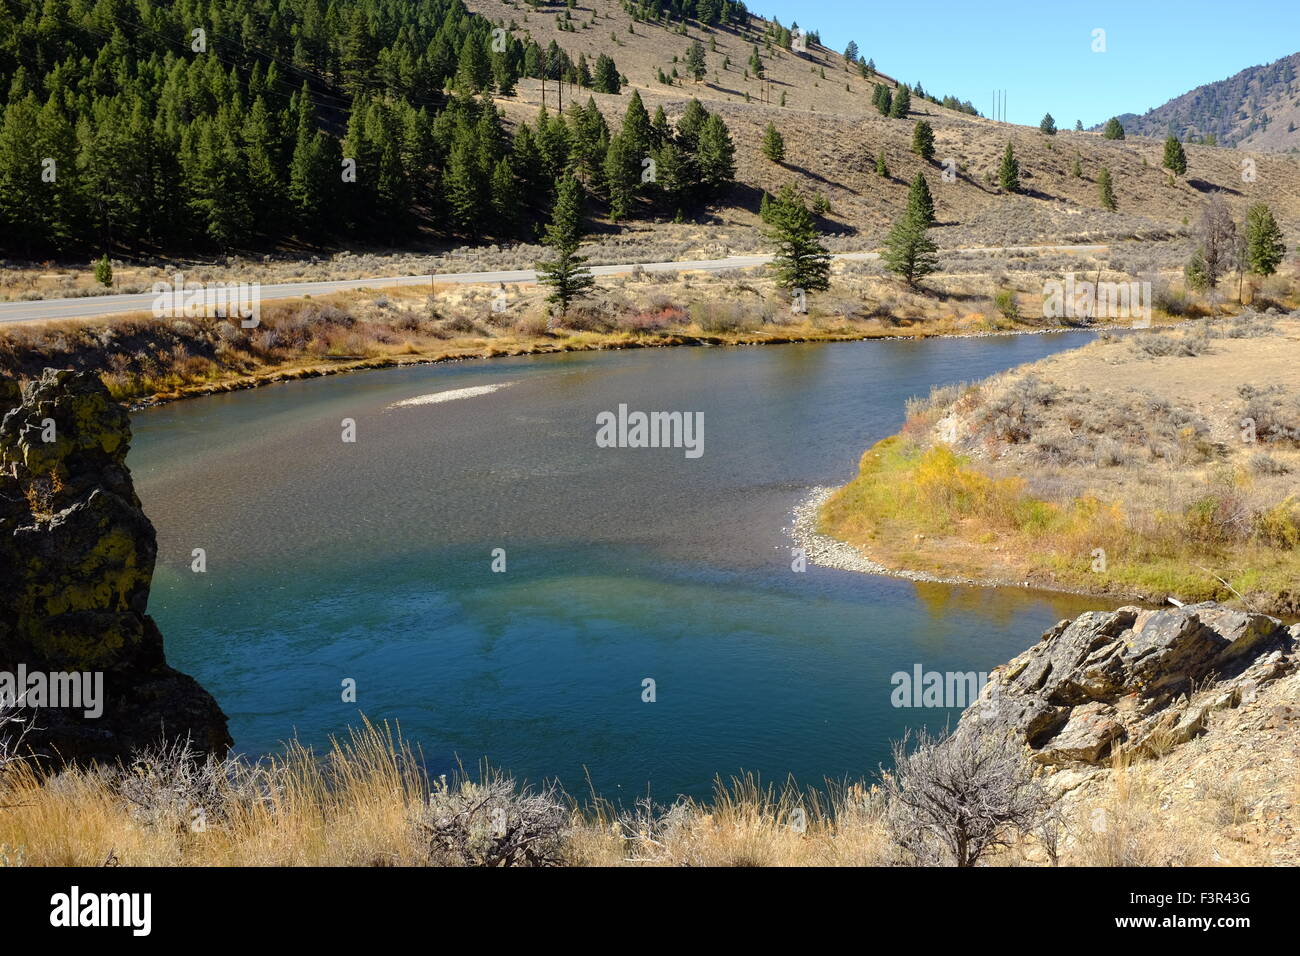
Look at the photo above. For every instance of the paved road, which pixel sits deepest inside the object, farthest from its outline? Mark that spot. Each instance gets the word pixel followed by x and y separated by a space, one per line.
pixel 117 304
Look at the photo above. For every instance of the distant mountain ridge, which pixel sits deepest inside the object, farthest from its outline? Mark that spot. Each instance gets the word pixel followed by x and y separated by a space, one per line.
pixel 1258 108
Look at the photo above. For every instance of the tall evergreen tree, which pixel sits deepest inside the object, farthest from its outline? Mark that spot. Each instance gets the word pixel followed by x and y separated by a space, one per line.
pixel 1106 190
pixel 1009 171
pixel 565 273
pixel 1264 245
pixel 1175 159
pixel 696 64
pixel 902 102
pixel 923 140
pixel 1048 125
pixel 622 176
pixel 463 187
pixel 800 261
pixel 23 196
pixel 505 197
pixel 716 157
pixel 919 201
pixel 773 144
pixel 883 99
pixel 1113 129
pixel 473 71
pixel 689 126
pixel 909 251
pixel 636 131
pixel 605 79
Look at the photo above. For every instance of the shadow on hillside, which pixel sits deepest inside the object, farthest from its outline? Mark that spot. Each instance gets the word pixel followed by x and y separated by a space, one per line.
pixel 805 171
pixel 1201 186
pixel 726 89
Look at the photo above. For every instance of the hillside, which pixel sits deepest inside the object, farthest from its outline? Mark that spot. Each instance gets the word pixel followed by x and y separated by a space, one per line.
pixel 1256 109
pixel 245 143
pixel 832 134
pixel 1120 468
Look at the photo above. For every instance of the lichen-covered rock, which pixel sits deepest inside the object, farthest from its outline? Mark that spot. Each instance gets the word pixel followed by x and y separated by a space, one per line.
pixel 76 561
pixel 1140 679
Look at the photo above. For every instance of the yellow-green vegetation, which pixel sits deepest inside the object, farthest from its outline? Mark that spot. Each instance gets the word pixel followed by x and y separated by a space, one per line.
pixel 922 509
pixel 1098 488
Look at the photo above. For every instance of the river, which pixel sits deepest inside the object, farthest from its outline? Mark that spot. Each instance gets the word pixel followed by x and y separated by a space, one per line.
pixel 372 561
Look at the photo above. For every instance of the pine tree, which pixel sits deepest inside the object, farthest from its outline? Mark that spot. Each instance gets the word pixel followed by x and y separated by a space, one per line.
pixel 909 252
pixel 677 175
pixel 923 140
pixel 265 189
pixel 773 144
pixel 505 197
pixel 716 157
pixel 800 261
pixel 919 201
pixel 1264 245
pixel 1175 159
pixel 851 52
pixel 622 176
pixel 636 130
pixel 553 148
pixel 605 79
pixel 1009 171
pixel 1113 129
pixel 104 271
pixel 359 50
pixel 64 199
pixel 23 199
pixel 881 99
pixel 566 272
pixel 219 195
pixel 902 103
pixel 696 65
pixel 662 132
pixel 473 71
pixel 1048 125
pixel 690 125
pixel 1076 168
pixel 1105 190
pixel 462 185
pixel 881 169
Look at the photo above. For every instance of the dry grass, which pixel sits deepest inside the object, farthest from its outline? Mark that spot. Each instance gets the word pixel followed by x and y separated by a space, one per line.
pixel 1118 468
pixel 366 802
pixel 142 358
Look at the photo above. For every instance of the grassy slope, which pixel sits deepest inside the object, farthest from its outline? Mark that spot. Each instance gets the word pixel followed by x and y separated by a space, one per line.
pixel 832 136
pixel 1108 448
pixel 1216 801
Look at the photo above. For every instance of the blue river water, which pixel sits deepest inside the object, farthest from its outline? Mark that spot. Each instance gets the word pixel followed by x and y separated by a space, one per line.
pixel 372 561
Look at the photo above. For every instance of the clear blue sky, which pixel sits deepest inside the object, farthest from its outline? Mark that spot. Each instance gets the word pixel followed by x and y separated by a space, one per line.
pixel 1041 53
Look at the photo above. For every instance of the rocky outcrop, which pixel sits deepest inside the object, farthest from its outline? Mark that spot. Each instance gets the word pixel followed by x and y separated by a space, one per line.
pixel 76 561
pixel 1132 679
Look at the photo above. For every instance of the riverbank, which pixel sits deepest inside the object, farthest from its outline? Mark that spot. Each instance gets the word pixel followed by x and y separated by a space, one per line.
pixel 1148 468
pixel 146 360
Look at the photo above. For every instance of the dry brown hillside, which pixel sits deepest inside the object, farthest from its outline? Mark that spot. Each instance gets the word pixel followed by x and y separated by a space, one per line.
pixel 1258 109
pixel 832 134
